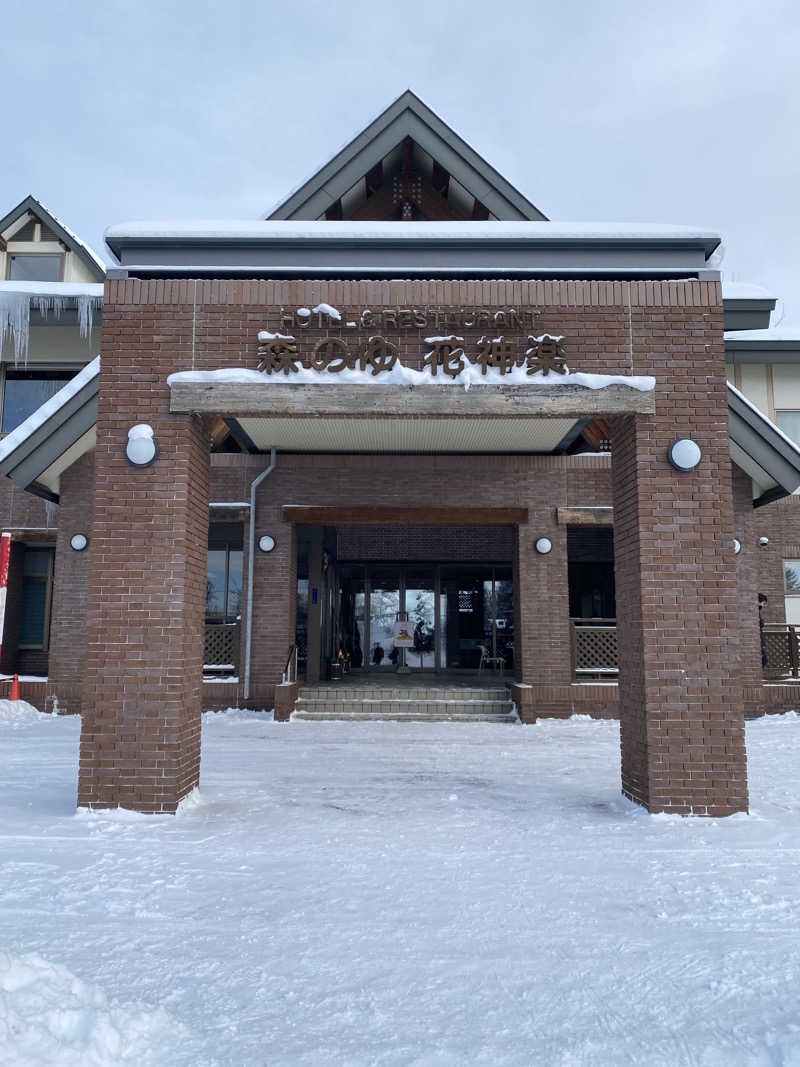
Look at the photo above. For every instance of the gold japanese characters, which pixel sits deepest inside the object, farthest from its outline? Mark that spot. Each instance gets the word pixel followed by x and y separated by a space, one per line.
pixel 279 354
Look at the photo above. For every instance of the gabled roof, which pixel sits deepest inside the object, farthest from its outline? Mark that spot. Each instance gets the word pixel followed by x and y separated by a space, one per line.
pixel 407 118
pixel 762 450
pixel 64 428
pixel 86 254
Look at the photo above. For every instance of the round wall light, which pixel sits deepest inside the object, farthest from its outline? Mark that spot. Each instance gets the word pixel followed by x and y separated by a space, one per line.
pixel 142 448
pixel 737 545
pixel 543 546
pixel 684 454
pixel 79 541
pixel 763 541
pixel 266 543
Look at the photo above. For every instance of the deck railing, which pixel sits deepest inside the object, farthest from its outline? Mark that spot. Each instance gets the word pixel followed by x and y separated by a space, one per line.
pixel 780 649
pixel 594 647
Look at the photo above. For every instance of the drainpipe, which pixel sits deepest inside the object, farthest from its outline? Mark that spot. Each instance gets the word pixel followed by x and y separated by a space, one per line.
pixel 250 566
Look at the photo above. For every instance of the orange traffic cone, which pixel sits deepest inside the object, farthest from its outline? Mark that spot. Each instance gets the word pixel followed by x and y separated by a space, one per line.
pixel 14 694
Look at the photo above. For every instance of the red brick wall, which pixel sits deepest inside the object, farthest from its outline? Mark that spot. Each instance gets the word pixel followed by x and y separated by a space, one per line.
pixel 70 590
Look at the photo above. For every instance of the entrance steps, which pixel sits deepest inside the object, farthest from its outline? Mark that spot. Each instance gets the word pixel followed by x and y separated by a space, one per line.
pixel 403 704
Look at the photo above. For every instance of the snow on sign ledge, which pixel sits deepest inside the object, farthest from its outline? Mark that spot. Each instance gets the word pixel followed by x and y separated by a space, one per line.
pixel 400 375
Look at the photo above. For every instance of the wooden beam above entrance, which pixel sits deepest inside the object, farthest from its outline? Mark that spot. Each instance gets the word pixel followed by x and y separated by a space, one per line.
pixel 393 516
pixel 399 402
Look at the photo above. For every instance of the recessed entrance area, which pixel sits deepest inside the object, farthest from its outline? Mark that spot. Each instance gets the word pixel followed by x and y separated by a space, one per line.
pixel 458 603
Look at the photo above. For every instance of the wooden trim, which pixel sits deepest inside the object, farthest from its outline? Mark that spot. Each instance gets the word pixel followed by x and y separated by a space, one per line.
pixel 578 516
pixel 396 516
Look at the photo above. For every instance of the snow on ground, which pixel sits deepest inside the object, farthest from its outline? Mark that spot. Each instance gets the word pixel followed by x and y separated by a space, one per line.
pixel 394 894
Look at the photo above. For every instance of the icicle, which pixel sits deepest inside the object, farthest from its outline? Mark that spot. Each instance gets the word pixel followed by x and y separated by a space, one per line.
pixel 15 318
pixel 15 315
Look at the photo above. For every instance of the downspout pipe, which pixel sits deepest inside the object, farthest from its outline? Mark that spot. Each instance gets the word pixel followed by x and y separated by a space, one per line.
pixel 251 567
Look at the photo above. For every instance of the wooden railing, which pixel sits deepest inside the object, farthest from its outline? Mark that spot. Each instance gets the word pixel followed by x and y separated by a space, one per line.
pixel 222 645
pixel 594 647
pixel 779 647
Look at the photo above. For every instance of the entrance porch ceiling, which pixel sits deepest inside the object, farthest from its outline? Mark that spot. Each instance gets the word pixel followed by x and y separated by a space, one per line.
pixel 312 434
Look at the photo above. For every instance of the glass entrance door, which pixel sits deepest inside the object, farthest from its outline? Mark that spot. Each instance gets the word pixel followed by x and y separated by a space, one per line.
pixel 455 611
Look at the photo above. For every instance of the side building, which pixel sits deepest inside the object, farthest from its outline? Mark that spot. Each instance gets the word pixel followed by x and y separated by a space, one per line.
pixel 51 296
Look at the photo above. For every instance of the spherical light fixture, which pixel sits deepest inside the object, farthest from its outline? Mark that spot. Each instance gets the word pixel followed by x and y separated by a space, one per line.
pixel 737 546
pixel 266 543
pixel 142 448
pixel 763 541
pixel 543 546
pixel 684 454
pixel 79 541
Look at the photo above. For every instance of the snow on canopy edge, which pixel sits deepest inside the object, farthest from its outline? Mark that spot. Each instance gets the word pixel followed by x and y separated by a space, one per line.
pixel 281 229
pixel 401 375
pixel 771 333
pixel 48 409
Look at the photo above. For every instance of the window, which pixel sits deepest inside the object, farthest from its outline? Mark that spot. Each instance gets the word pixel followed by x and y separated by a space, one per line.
pixel 25 391
pixel 37 578
pixel 789 422
pixel 224 574
pixel 34 268
pixel 791 577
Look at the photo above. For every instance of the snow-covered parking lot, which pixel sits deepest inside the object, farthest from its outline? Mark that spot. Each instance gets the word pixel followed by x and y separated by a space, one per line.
pixel 395 894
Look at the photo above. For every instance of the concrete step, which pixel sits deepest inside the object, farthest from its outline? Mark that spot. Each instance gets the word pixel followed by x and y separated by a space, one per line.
pixel 322 706
pixel 366 716
pixel 426 693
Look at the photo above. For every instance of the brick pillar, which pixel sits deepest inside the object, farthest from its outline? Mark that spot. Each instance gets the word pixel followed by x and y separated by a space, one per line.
pixel 747 582
pixel 681 698
pixel 67 659
pixel 140 742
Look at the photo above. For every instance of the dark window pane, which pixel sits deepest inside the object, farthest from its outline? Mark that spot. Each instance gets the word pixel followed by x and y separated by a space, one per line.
pixel 25 393
pixel 35 268
pixel 34 611
pixel 36 561
pixel 215 582
pixel 234 582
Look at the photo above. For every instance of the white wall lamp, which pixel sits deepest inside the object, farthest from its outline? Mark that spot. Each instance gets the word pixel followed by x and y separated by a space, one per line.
pixel 684 454
pixel 543 546
pixel 142 448
pixel 763 541
pixel 737 546
pixel 79 542
pixel 266 543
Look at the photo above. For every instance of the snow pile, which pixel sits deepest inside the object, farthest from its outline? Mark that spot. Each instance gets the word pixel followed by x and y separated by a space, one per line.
pixel 16 711
pixel 50 1017
pixel 49 407
pixel 401 375
pixel 17 299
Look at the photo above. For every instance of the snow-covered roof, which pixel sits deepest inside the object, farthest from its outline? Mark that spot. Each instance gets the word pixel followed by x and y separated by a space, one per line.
pixel 400 231
pixel 745 291
pixel 780 334
pixel 84 251
pixel 49 408
pixel 63 289
pixel 101 264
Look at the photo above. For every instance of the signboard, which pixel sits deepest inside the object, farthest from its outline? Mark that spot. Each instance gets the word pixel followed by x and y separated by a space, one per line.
pixel 403 635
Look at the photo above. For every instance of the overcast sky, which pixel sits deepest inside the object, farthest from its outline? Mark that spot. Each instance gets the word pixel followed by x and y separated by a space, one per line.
pixel 630 112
